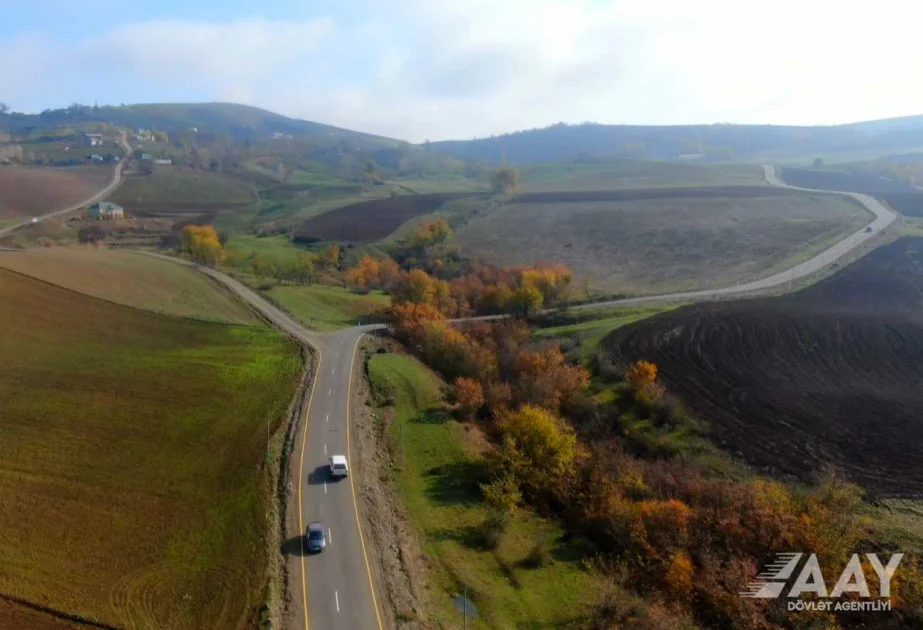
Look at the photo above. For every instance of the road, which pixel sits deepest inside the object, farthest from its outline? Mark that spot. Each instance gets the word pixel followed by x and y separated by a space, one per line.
pixel 111 186
pixel 333 589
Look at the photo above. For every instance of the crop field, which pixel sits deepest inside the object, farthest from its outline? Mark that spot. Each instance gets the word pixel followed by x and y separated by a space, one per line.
pixel 617 174
pixel 899 196
pixel 371 221
pixel 31 191
pixel 827 375
pixel 328 308
pixel 662 240
pixel 133 480
pixel 131 279
pixel 178 191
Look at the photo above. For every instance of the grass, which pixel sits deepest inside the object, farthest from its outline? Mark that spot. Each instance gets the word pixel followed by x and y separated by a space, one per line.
pixel 327 308
pixel 663 245
pixel 173 189
pixel 447 511
pixel 597 324
pixel 133 461
pixel 131 279
pixel 278 247
pixel 31 191
pixel 616 174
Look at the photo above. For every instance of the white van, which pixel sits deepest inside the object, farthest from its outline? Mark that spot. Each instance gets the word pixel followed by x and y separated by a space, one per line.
pixel 338 467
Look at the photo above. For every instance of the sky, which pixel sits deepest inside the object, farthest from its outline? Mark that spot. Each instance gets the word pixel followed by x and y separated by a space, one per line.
pixel 432 69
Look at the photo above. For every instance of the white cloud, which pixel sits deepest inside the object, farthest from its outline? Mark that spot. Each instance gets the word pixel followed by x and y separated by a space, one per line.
pixel 420 69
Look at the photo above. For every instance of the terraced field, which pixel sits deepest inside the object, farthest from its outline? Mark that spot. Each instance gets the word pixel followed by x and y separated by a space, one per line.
pixel 134 475
pixel 826 376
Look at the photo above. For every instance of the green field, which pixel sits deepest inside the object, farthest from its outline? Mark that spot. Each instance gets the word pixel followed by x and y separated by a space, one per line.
pixel 617 174
pixel 278 247
pixel 132 279
pixel 134 482
pixel 448 512
pixel 328 308
pixel 596 324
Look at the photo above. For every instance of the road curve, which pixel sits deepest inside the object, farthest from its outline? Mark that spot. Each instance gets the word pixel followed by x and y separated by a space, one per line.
pixel 111 186
pixel 883 218
pixel 334 589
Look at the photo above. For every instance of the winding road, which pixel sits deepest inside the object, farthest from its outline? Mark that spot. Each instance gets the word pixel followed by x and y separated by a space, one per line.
pixel 111 186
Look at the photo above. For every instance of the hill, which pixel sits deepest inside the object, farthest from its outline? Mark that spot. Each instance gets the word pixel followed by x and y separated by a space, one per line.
pixel 133 472
pixel 718 142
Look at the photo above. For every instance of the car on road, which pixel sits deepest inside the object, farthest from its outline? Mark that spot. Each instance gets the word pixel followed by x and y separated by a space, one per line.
pixel 868 229
pixel 316 538
pixel 338 466
pixel 34 220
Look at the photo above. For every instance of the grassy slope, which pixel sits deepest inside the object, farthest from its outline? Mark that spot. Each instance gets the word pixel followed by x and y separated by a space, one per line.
pixel 131 478
pixel 328 308
pixel 131 279
pixel 447 511
pixel 183 186
pixel 655 246
pixel 620 174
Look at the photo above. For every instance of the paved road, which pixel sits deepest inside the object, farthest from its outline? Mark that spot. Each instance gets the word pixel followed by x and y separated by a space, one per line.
pixel 112 185
pixel 334 589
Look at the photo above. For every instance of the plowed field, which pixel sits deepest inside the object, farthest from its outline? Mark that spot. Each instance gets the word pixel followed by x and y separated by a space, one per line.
pixel 26 191
pixel 829 375
pixel 901 197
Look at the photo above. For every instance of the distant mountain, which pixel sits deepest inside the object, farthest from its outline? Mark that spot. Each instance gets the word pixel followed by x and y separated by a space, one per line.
pixel 564 142
pixel 240 121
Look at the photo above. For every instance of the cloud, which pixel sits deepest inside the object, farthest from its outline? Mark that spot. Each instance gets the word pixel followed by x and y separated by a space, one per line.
pixel 418 69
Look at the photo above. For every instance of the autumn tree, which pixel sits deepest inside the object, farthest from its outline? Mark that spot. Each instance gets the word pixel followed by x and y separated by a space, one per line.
pixel 305 268
pixel 525 301
pixel 504 180
pixel 201 243
pixel 641 374
pixel 416 286
pixel 537 448
pixel 469 397
pixel 427 234
pixel 365 275
pixel 389 272
pixel 330 257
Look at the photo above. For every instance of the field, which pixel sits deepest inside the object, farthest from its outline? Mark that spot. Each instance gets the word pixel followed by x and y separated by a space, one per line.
pixel 828 375
pixel 133 478
pixel 31 191
pixel 328 308
pixel 444 503
pixel 901 197
pixel 131 279
pixel 662 240
pixel 617 174
pixel 371 221
pixel 178 191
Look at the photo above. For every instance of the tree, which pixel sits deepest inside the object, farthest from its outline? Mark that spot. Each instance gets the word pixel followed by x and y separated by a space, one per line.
pixel 469 397
pixel 504 180
pixel 304 268
pixel 365 275
pixel 330 257
pixel 537 447
pixel 416 286
pixel 4 108
pixel 525 301
pixel 817 164
pixel 201 243
pixel 502 493
pixel 641 374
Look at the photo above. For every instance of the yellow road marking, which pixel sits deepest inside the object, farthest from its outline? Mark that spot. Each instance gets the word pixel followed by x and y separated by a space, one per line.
pixel 304 440
pixel 352 487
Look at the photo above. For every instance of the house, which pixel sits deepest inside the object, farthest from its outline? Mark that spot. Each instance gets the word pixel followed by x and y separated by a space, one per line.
pixel 166 161
pixel 146 156
pixel 105 210
pixel 92 139
pixel 110 157
pixel 96 157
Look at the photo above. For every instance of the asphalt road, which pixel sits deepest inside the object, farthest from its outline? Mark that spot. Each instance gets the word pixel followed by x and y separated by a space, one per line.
pixel 112 185
pixel 333 589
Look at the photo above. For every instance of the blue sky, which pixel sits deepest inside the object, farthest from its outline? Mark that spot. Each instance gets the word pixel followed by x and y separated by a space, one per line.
pixel 418 69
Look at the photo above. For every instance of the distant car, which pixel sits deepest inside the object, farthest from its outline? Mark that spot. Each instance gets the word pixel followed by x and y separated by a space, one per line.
pixel 316 538
pixel 34 220
pixel 868 229
pixel 338 467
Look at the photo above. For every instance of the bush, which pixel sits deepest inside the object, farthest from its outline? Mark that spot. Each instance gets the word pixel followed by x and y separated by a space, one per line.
pixel 502 494
pixel 539 556
pixel 493 529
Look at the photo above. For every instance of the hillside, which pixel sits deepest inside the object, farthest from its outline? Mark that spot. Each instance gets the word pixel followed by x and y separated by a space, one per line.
pixel 564 142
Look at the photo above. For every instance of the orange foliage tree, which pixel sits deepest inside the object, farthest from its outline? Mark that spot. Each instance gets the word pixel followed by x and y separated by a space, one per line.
pixel 469 396
pixel 202 244
pixel 365 275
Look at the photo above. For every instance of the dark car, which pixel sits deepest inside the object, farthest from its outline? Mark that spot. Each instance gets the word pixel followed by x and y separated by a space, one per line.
pixel 316 539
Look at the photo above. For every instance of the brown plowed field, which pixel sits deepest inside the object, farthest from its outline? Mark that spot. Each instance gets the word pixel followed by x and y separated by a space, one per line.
pixel 27 191
pixel 829 375
pixel 370 221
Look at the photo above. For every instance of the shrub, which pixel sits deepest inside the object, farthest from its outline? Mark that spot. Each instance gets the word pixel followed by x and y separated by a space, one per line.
pixel 539 556
pixel 502 494
pixel 493 529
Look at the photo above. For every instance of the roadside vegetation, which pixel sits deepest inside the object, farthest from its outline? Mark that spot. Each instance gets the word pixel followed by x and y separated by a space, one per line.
pixel 134 464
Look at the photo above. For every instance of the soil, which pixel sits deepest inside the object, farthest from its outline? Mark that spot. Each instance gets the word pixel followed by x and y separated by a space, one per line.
pixel 900 196
pixel 401 566
pixel 827 376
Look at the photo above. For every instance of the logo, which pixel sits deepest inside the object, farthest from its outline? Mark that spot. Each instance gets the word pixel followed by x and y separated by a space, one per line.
pixel 771 583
